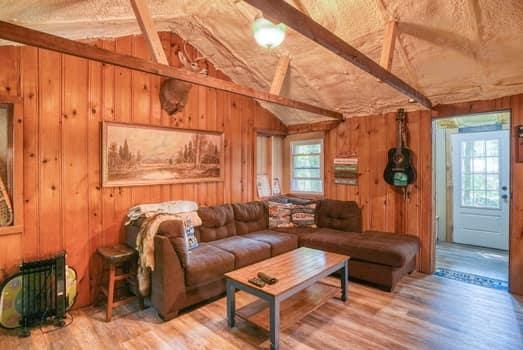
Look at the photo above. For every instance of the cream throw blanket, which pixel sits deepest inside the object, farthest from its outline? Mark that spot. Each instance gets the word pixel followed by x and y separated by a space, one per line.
pixel 145 243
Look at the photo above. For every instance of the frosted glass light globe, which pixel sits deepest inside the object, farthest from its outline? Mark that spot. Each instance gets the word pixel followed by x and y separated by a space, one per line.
pixel 268 34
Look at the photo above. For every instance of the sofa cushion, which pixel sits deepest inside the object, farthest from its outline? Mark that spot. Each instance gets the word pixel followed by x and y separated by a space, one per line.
pixel 298 231
pixel 217 223
pixel 246 251
pixel 280 242
pixel 377 247
pixel 339 215
pixel 207 264
pixel 250 217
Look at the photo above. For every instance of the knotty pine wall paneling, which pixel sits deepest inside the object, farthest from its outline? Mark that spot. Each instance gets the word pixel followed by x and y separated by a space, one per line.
pixel 386 209
pixel 65 99
pixel 383 207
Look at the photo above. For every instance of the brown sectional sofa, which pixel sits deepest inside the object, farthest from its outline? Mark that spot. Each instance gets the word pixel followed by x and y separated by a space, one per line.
pixel 237 235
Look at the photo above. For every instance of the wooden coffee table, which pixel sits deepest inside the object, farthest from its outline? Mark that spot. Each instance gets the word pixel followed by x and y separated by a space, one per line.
pixel 297 293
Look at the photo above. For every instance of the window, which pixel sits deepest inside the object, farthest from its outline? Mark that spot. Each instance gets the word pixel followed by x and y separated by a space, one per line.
pixel 480 174
pixel 307 166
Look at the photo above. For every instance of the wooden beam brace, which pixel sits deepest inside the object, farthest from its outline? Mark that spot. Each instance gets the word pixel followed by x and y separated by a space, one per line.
pixel 280 74
pixel 46 41
pixel 143 16
pixel 312 127
pixel 413 79
pixel 283 12
pixel 389 42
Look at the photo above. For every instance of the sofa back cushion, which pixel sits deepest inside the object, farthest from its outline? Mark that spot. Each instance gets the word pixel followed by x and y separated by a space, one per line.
pixel 339 215
pixel 217 223
pixel 250 217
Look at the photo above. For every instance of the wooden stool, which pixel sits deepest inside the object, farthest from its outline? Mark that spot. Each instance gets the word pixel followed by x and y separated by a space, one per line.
pixel 116 257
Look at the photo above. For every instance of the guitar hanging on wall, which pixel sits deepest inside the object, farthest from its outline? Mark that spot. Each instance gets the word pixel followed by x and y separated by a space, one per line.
pixel 399 171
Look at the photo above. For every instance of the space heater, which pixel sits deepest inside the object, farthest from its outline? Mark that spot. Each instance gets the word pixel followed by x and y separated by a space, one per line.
pixel 43 291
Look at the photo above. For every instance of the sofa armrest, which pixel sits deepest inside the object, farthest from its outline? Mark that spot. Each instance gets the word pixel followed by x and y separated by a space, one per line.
pixel 168 280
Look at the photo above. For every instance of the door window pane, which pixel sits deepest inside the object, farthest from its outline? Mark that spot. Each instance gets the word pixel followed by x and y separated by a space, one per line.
pixel 493 182
pixel 479 148
pixel 479 182
pixel 478 165
pixel 492 165
pixel 480 173
pixel 492 148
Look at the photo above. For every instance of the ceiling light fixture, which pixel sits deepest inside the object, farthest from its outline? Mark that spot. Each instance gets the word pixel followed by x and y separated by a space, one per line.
pixel 268 34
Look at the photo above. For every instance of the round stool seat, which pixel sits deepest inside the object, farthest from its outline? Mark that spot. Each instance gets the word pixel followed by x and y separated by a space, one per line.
pixel 116 253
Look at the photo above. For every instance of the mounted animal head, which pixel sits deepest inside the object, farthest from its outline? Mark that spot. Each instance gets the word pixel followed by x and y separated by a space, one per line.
pixel 174 93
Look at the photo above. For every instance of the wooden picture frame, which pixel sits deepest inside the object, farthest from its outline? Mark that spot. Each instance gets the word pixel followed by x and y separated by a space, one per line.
pixel 15 182
pixel 140 155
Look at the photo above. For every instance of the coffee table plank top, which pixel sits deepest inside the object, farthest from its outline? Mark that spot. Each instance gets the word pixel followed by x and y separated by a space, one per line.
pixel 291 269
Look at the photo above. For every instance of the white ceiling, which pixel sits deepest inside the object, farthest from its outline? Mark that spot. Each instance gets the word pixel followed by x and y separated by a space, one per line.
pixel 454 50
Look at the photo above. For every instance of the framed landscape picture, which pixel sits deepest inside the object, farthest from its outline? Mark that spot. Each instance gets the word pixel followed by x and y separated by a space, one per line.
pixel 134 155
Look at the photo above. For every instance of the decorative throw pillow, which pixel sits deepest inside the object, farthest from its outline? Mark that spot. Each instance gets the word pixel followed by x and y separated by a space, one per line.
pixel 303 215
pixel 190 237
pixel 280 215
pixel 181 234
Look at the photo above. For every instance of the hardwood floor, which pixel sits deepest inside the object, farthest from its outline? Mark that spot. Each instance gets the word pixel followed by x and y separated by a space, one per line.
pixel 425 312
pixel 480 261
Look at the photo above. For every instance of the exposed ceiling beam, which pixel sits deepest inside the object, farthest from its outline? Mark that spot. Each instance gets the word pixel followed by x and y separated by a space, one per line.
pixel 389 42
pixel 35 38
pixel 280 74
pixel 312 127
pixel 143 16
pixel 283 12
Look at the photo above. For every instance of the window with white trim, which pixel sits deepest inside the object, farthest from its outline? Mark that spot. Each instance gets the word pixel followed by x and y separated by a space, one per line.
pixel 307 166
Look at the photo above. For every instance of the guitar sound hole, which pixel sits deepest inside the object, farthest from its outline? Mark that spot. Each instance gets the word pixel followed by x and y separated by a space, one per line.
pixel 398 158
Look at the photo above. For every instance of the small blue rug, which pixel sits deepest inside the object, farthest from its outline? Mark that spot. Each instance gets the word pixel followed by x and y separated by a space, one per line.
pixel 472 279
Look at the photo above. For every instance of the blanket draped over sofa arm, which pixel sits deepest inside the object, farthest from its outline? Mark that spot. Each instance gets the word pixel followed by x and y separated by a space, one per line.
pixel 145 244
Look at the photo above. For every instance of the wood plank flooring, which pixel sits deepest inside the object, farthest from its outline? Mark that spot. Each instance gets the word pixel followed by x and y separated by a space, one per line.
pixel 424 312
pixel 487 262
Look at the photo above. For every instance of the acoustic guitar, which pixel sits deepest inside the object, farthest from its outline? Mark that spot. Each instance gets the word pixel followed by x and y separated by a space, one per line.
pixel 399 171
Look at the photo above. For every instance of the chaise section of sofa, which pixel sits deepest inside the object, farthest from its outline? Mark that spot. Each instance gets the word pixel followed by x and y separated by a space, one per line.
pixel 380 258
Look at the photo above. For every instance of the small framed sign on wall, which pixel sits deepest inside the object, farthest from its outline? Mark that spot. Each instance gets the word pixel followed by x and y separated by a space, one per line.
pixel 519 143
pixel 346 171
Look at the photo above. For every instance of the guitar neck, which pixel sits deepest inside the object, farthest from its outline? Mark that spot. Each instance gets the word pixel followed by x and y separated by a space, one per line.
pixel 400 119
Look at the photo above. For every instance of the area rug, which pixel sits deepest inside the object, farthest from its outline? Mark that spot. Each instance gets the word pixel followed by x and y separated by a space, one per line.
pixel 472 279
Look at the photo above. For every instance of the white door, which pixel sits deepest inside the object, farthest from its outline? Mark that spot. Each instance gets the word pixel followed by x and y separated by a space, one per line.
pixel 481 194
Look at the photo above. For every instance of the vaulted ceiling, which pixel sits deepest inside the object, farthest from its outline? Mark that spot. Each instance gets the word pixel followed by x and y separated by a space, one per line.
pixel 452 51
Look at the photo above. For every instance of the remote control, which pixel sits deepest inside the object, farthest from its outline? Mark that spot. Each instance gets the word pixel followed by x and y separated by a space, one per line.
pixel 266 278
pixel 257 282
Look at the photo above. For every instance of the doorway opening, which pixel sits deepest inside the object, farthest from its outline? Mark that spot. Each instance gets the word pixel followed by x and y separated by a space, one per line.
pixel 471 156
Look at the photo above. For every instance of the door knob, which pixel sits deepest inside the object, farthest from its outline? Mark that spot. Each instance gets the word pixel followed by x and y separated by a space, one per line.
pixel 504 196
pixel 504 188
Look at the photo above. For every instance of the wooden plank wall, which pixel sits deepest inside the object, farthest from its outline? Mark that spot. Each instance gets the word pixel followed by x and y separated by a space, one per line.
pixel 65 99
pixel 384 209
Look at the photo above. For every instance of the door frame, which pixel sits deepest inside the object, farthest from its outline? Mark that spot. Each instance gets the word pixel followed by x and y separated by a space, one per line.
pixel 472 111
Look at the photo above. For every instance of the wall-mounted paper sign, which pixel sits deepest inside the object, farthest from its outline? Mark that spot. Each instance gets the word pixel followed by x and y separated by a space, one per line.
pixel 346 171
pixel 263 185
pixel 276 188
